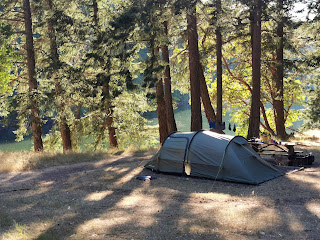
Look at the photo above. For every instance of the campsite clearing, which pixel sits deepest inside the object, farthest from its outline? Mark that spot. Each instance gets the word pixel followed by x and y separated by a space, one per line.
pixel 104 200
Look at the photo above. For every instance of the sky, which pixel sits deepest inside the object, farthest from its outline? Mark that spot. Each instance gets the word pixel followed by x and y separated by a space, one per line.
pixel 297 7
pixel 302 15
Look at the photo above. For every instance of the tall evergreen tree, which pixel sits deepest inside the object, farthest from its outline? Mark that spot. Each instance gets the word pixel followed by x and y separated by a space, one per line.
pixel 105 88
pixel 172 126
pixel 194 63
pixel 161 104
pixel 33 84
pixel 254 120
pixel 219 61
pixel 279 74
pixel 54 57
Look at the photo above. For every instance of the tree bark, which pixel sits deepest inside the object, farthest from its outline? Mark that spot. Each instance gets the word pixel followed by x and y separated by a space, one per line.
pixel 162 116
pixel 106 92
pixel 254 119
pixel 208 109
pixel 33 84
pixel 95 13
pixel 172 126
pixel 161 103
pixel 219 65
pixel 109 120
pixel 278 79
pixel 194 63
pixel 63 125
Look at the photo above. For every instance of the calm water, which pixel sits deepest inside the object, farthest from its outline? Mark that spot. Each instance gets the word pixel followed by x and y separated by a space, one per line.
pixel 183 120
pixel 182 116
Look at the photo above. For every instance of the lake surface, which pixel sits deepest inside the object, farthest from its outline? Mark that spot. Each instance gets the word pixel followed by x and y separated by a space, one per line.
pixel 183 120
pixel 182 116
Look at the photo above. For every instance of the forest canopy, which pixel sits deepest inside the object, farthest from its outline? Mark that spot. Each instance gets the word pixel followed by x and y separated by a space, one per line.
pixel 94 68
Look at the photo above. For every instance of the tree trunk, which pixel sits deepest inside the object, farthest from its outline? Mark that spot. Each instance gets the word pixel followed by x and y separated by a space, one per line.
pixel 172 126
pixel 63 125
pixel 95 13
pixel 278 79
pixel 109 121
pixel 208 109
pixel 219 65
pixel 106 92
pixel 194 63
pixel 162 116
pixel 33 84
pixel 254 120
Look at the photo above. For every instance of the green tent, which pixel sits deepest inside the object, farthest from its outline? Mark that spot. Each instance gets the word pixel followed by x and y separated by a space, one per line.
pixel 212 155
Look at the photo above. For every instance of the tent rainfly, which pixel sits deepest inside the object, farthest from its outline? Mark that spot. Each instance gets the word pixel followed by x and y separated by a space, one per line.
pixel 212 155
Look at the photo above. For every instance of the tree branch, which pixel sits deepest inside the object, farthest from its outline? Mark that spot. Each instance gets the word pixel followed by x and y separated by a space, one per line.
pixel 263 111
pixel 234 77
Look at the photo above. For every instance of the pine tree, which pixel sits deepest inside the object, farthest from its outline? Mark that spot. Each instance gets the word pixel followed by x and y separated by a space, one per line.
pixel 254 120
pixel 194 63
pixel 279 74
pixel 172 126
pixel 161 105
pixel 219 61
pixel 33 84
pixel 105 88
pixel 54 57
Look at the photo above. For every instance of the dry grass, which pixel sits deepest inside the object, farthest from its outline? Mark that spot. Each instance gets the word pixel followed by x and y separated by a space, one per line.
pixel 309 138
pixel 21 161
pixel 102 199
pixel 24 161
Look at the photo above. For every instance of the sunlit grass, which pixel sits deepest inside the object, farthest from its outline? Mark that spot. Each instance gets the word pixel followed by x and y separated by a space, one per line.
pixel 26 232
pixel 309 138
pixel 26 160
pixel 19 161
pixel 21 146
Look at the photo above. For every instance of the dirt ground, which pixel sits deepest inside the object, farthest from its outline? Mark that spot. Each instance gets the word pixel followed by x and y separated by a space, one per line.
pixel 104 200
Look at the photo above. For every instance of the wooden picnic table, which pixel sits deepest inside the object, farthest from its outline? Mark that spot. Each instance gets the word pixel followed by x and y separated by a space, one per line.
pixel 283 153
pixel 285 148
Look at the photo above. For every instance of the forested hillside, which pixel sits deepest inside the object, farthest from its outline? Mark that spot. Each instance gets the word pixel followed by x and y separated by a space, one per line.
pixel 83 73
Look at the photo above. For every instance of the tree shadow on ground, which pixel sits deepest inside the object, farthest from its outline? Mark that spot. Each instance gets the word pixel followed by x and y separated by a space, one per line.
pixel 104 200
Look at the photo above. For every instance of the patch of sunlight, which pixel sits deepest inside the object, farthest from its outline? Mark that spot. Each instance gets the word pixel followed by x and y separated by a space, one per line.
pixel 18 177
pixel 116 169
pixel 215 196
pixel 22 232
pixel 311 181
pixel 314 207
pixel 24 207
pixel 199 229
pixel 97 196
pixel 128 177
pixel 36 191
pixel 141 201
pixel 244 214
pixel 296 226
pixel 292 219
pixel 249 217
pixel 196 227
pixel 104 224
pixel 110 159
pixel 144 207
pixel 19 231
pixel 46 183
